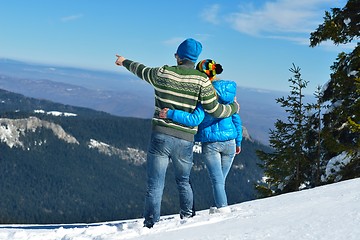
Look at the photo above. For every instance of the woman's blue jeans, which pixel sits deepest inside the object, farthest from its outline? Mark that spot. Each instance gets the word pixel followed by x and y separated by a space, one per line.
pixel 218 157
pixel 163 148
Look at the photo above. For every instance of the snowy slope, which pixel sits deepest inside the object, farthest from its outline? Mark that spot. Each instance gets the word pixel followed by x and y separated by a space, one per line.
pixel 327 212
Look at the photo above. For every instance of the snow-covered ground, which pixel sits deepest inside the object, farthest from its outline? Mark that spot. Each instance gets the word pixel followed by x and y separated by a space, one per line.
pixel 323 213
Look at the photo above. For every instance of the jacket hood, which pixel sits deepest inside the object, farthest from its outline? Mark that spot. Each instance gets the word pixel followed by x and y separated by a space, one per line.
pixel 226 90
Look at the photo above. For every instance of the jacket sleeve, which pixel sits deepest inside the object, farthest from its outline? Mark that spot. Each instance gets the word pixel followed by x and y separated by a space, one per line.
pixel 238 125
pixel 186 118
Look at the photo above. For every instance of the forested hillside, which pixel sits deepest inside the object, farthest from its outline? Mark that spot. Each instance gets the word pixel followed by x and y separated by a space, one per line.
pixel 97 175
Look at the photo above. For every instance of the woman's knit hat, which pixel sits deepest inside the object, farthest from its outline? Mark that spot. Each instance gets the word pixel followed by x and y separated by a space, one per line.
pixel 209 67
pixel 189 49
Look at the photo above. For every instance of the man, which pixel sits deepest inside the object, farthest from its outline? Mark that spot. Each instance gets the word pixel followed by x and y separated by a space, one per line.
pixel 176 87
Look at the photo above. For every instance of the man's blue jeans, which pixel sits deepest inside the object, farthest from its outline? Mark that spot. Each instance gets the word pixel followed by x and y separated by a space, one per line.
pixel 218 157
pixel 163 148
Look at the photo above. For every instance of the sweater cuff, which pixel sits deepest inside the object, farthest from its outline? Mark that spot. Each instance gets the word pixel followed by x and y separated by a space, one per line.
pixel 126 63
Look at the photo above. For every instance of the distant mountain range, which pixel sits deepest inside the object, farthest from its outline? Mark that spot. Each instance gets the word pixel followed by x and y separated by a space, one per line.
pixel 123 94
pixel 65 164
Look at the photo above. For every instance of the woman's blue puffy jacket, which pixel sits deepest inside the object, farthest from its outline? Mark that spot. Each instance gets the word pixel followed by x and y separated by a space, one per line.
pixel 213 129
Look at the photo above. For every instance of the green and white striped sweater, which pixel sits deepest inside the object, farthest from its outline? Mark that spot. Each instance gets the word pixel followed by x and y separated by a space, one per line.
pixel 180 87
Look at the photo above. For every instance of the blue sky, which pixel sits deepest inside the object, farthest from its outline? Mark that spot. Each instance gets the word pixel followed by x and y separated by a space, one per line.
pixel 256 41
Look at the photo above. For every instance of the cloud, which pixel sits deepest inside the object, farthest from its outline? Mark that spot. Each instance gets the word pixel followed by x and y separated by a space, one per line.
pixel 328 45
pixel 71 18
pixel 284 19
pixel 298 40
pixel 173 41
pixel 211 14
pixel 281 16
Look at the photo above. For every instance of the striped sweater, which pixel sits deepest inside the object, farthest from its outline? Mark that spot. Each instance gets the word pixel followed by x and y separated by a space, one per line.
pixel 180 87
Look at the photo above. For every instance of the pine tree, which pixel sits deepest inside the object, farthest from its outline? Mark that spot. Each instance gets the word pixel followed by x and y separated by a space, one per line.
pixel 355 126
pixel 287 167
pixel 341 122
pixel 314 139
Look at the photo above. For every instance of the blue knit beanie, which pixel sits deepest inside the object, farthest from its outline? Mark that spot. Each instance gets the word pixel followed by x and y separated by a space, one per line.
pixel 189 49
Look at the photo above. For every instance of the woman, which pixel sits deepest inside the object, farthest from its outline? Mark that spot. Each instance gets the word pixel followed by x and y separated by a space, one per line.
pixel 220 137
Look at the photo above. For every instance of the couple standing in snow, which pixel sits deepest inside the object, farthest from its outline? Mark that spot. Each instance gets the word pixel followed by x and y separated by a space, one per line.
pixel 190 105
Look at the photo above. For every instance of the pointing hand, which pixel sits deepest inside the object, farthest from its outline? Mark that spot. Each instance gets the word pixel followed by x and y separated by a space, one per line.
pixel 119 60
